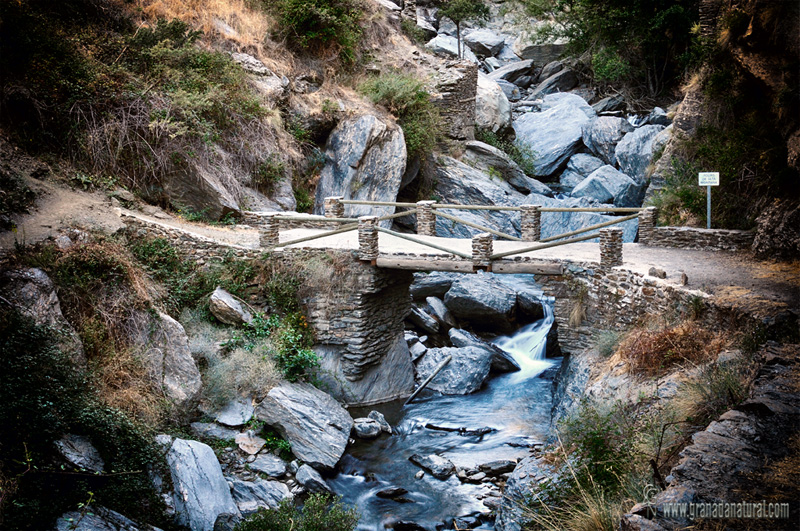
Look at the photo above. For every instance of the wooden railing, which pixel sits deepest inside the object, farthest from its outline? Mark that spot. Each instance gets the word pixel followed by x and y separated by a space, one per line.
pixel 482 255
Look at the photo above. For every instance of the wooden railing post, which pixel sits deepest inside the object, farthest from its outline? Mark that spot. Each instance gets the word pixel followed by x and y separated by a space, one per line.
pixel 482 251
pixel 269 232
pixel 333 207
pixel 647 225
pixel 531 223
pixel 426 218
pixel 610 247
pixel 368 239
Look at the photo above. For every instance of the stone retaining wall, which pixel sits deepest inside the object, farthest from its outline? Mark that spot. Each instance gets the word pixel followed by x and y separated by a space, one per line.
pixel 706 239
pixel 255 219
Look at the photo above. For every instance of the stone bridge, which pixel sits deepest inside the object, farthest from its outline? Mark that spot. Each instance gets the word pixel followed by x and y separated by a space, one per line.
pixel 358 312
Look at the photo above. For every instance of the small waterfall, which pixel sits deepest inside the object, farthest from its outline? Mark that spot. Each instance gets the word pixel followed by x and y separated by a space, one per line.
pixel 528 344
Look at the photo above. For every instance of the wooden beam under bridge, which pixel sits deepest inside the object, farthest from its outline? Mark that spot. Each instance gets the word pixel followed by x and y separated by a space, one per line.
pixel 464 266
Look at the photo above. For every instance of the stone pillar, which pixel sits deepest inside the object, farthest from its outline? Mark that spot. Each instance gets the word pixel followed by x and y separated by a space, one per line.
pixel 334 207
pixel 426 219
pixel 269 232
pixel 531 223
pixel 610 247
pixel 647 225
pixel 368 238
pixel 482 251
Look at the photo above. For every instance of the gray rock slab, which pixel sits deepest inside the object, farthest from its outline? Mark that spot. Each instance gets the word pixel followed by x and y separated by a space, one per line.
pixel 513 71
pixel 484 42
pixel 211 430
pixel 95 518
pixel 438 466
pixel 561 81
pixel 579 166
pixel 447 45
pixel 604 184
pixel 502 361
pixel 440 312
pixel 311 480
pixel 635 151
pixel 481 300
pixel 366 428
pixel 433 284
pixel 602 135
pixel 314 423
pixel 250 496
pixel 489 159
pixel 227 309
pixel 269 464
pixel 79 452
pixel 492 108
pixel 201 493
pixel 464 374
pixel 236 413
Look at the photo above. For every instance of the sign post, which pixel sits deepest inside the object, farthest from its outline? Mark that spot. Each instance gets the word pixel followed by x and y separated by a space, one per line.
pixel 708 179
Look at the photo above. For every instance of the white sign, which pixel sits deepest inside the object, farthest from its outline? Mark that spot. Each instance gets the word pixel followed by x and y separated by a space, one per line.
pixel 708 178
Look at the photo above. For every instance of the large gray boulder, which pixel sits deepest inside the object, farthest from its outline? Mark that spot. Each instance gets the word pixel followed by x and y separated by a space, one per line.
pixel 561 81
pixel 204 187
pixel 96 518
pixel 365 160
pixel 464 374
pixel 554 134
pixel 33 294
pixel 502 361
pixel 212 430
pixel 235 413
pixel 227 309
pixel 446 45
pixel 484 42
pixel 606 184
pixel 579 167
pixel 80 453
pixel 490 160
pixel 635 151
pixel 555 223
pixel 551 68
pixel 512 92
pixel 315 424
pixel 440 312
pixel 269 465
pixel 567 98
pixel 492 108
pixel 602 136
pixel 201 493
pixel 433 284
pixel 520 486
pixel 164 350
pixel 311 480
pixel 513 72
pixel 527 46
pixel 614 103
pixel 483 301
pixel 250 496
pixel 459 183
pixel 438 466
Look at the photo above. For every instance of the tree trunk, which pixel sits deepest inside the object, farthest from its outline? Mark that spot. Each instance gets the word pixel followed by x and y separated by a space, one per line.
pixel 458 38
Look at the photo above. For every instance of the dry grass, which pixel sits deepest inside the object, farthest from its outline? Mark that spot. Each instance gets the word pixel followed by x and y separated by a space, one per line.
pixel 124 383
pixel 654 352
pixel 242 372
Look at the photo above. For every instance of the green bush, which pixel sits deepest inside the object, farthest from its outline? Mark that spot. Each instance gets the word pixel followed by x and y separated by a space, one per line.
pixel 320 513
pixel 318 25
pixel 42 397
pixel 406 97
pixel 523 155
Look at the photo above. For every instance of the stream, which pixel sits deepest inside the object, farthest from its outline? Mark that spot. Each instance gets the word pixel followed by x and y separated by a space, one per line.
pixel 516 404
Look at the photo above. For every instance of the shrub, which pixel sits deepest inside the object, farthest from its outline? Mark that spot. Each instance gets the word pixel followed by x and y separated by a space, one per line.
pixel 320 513
pixel 319 25
pixel 406 97
pixel 653 352
pixel 522 154
pixel 718 387
pixel 607 342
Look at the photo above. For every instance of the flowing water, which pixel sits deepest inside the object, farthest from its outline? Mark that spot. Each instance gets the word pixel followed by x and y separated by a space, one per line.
pixel 517 405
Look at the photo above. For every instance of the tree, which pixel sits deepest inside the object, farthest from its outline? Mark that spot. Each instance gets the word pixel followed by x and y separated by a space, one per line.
pixel 460 11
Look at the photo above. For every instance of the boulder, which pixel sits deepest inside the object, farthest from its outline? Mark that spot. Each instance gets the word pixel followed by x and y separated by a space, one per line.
pixel 513 72
pixel 378 417
pixel 446 45
pixel 605 184
pixel 550 69
pixel 251 496
pixel 365 160
pixel 602 135
pixel 512 92
pixel 490 159
pixel 635 151
pixel 96 518
pixel 210 430
pixel 269 465
pixel 366 428
pixel 425 25
pixel 483 301
pixel 464 374
pixel 433 284
pixel 507 55
pixel 391 6
pixel 502 361
pixel 392 377
pixel 497 468
pixel 658 116
pixel 491 64
pixel 33 293
pixel 227 309
pixel 424 320
pixel 614 103
pixel 579 167
pixel 438 466
pixel 459 183
pixel 554 134
pixel 525 477
pixel 554 223
pixel 167 358
pixel 484 42
pixel 80 453
pixel 567 98
pixel 249 443
pixel 561 81
pixel 201 493
pixel 440 312
pixel 492 108
pixel 526 47
pixel 315 424
pixel 311 480
pixel 778 230
pixel 236 413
